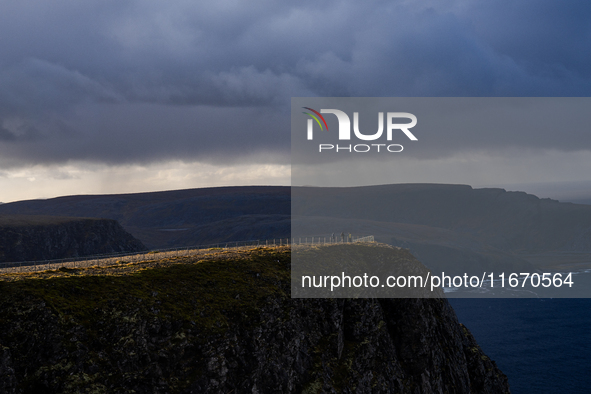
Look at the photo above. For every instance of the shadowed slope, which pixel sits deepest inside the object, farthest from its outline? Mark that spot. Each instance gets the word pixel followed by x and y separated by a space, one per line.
pixel 179 217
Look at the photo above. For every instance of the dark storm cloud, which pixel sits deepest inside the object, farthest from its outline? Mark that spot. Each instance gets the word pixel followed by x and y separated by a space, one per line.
pixel 130 81
pixel 485 126
pixel 544 36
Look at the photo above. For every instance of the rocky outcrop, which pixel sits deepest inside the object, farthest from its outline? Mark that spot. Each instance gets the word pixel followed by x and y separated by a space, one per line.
pixel 229 326
pixel 34 238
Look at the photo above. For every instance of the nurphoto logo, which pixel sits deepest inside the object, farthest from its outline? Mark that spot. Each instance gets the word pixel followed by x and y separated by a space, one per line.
pixel 344 132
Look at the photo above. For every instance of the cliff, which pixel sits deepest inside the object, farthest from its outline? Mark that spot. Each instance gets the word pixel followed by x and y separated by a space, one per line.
pixel 451 228
pixel 179 218
pixel 226 325
pixel 514 222
pixel 31 238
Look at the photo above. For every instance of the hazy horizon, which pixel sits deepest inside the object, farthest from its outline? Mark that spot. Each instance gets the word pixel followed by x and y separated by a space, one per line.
pixel 564 192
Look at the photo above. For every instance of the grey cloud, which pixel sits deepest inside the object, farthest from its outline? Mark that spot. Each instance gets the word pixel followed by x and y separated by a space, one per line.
pixel 130 81
pixel 34 86
pixel 485 126
pixel 247 85
pixel 6 135
pixel 16 129
pixel 144 133
pixel 546 37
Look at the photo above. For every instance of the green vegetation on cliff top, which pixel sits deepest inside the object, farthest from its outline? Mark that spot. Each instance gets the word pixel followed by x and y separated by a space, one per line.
pixel 202 293
pixel 223 323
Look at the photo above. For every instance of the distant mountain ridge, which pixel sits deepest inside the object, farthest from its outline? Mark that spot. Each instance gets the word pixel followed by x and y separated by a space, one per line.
pixel 481 228
pixel 179 217
pixel 472 230
pixel 511 221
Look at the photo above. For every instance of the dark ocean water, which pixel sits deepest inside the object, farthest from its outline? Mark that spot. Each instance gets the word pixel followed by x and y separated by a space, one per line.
pixel 542 345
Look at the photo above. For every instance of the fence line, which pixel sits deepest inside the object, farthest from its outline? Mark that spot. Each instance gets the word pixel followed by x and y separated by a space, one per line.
pixel 330 239
pixel 136 257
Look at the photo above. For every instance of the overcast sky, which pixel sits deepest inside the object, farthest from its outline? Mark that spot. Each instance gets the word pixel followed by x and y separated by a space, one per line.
pixel 124 96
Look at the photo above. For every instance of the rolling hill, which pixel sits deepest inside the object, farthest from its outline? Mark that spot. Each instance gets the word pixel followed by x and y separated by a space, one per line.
pixel 480 228
pixel 180 217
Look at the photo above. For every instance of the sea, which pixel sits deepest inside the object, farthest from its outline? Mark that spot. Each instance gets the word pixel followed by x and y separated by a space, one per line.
pixel 543 344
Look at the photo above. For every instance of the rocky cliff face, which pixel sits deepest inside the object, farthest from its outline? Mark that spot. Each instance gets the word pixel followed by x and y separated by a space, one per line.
pixel 228 326
pixel 31 238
